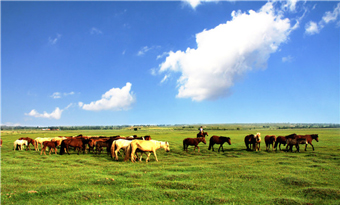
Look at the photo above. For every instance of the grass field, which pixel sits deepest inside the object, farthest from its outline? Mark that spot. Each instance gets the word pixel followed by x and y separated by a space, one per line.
pixel 235 176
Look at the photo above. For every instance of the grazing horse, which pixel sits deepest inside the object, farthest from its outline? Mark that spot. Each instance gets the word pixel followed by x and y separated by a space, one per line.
pixel 295 141
pixel 254 140
pixel 76 143
pixel 309 139
pixel 40 140
pixel 51 145
pixel 218 140
pixel 193 142
pixel 20 143
pixel 29 141
pixel 145 146
pixel 100 144
pixel 202 134
pixel 269 140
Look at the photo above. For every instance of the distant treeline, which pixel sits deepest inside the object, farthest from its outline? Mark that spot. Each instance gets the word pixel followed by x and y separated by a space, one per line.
pixel 179 127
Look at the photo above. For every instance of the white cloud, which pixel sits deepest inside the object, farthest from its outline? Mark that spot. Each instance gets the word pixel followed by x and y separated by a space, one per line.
pixel 312 28
pixel 287 59
pixel 195 3
pixel 56 114
pixel 95 31
pixel 227 52
pixel 145 49
pixel 53 41
pixel 114 99
pixel 57 95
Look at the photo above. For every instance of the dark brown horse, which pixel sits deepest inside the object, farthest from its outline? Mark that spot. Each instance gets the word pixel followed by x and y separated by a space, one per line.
pixel 193 142
pixel 51 145
pixel 218 140
pixel 295 142
pixel 29 140
pixel 254 140
pixel 309 139
pixel 282 140
pixel 202 134
pixel 269 140
pixel 76 143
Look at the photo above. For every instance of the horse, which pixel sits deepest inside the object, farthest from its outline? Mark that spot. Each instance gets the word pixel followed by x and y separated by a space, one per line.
pixel 202 134
pixel 218 140
pixel 38 141
pixel 254 140
pixel 0 142
pixel 309 139
pixel 93 141
pixel 76 143
pixel 20 143
pixel 100 144
pixel 123 144
pixel 283 140
pixel 29 141
pixel 51 145
pixel 269 140
pixel 145 146
pixel 295 141
pixel 194 142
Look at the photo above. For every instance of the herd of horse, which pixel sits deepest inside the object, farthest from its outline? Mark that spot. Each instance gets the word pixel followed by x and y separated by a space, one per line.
pixel 133 145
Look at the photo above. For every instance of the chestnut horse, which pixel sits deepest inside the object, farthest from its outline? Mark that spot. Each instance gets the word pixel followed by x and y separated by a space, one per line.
pixel 29 141
pixel 309 139
pixel 218 140
pixel 282 140
pixel 269 140
pixel 51 145
pixel 193 142
pixel 202 134
pixel 295 141
pixel 76 143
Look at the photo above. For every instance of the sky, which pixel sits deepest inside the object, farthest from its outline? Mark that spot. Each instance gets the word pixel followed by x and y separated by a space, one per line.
pixel 169 62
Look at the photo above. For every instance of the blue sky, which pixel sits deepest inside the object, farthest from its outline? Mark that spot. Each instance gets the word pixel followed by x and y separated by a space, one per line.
pixel 173 62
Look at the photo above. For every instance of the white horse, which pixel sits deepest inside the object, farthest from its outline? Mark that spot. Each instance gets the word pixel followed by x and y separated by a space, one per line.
pixel 145 146
pixel 117 145
pixel 20 143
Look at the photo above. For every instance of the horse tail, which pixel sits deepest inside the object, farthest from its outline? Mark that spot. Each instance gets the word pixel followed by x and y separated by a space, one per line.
pixel 209 145
pixel 183 145
pixel 113 149
pixel 62 148
pixel 127 152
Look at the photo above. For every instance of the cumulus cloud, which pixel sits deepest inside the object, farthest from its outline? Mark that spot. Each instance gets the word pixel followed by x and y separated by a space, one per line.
pixel 56 114
pixel 227 52
pixel 114 99
pixel 312 27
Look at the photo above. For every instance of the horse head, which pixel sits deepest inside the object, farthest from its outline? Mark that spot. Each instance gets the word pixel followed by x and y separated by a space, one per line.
pixel 315 137
pixel 203 140
pixel 228 140
pixel 166 146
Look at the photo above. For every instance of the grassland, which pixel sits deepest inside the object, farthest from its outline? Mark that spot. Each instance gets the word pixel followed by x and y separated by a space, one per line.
pixel 235 176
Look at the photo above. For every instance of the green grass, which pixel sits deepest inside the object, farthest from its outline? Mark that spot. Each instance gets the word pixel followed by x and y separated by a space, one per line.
pixel 235 176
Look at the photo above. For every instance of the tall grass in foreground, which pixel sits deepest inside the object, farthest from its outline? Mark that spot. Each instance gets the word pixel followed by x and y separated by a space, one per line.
pixel 235 176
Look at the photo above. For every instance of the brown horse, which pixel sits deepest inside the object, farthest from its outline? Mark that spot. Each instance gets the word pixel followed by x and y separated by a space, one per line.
pixel 269 140
pixel 254 140
pixel 51 145
pixel 218 140
pixel 282 140
pixel 29 140
pixel 193 142
pixel 202 134
pixel 309 139
pixel 295 141
pixel 76 143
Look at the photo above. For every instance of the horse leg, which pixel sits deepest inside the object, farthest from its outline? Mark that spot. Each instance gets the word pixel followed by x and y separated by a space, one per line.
pixel 154 153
